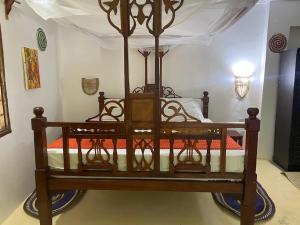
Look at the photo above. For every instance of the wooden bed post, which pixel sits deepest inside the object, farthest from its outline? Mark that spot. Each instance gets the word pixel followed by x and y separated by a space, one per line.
pixel 250 177
pixel 161 56
pixel 205 101
pixel 41 160
pixel 157 30
pixel 146 54
pixel 101 100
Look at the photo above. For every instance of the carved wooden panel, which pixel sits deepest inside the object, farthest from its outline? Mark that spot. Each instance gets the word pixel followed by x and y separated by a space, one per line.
pixel 143 155
pixel 142 108
pixel 172 110
pixel 168 92
pixel 190 157
pixel 140 12
pixel 97 157
pixel 112 110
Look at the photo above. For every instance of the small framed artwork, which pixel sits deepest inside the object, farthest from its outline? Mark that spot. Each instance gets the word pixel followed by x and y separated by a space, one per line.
pixel 4 115
pixel 31 68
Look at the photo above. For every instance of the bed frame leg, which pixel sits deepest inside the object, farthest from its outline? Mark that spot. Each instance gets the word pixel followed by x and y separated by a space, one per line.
pixel 250 177
pixel 43 198
pixel 249 203
pixel 39 124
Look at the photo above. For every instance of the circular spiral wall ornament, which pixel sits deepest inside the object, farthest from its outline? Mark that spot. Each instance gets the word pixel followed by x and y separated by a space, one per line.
pixel 41 39
pixel 278 43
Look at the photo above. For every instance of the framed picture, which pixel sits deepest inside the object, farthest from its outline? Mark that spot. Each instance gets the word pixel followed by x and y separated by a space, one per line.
pixel 31 68
pixel 4 115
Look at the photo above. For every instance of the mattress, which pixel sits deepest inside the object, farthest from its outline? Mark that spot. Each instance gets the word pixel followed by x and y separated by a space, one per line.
pixel 234 157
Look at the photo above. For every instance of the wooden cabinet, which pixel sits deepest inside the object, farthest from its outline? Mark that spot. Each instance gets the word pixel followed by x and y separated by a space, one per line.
pixel 287 132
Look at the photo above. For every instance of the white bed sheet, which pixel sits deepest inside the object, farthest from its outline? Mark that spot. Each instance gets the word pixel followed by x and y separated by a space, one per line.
pixel 234 159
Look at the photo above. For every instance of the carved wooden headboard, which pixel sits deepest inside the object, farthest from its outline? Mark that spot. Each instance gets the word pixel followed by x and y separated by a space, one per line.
pixel 113 109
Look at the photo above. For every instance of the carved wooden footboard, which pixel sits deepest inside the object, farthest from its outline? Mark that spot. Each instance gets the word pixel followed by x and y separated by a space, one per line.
pixel 98 168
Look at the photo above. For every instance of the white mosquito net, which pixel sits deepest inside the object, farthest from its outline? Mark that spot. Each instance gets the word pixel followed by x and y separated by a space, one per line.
pixel 197 21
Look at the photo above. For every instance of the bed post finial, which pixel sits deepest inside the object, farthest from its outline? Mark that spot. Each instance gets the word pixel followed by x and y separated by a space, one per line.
pixel 38 112
pixel 253 112
pixel 253 123
pixel 205 101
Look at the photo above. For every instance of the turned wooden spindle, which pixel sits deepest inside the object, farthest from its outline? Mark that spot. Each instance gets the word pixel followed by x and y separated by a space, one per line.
pixel 101 100
pixel 146 54
pixel 205 101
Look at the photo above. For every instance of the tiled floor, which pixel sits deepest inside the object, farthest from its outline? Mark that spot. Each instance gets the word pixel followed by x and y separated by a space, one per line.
pixel 166 208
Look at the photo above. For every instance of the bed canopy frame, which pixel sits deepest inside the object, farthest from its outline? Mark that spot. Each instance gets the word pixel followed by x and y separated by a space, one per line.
pixel 143 129
pixel 166 92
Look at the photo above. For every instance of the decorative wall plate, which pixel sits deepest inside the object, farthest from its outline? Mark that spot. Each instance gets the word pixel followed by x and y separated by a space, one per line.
pixel 90 86
pixel 278 43
pixel 41 39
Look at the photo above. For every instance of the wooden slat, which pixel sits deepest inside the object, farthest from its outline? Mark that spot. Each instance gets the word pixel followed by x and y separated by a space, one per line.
pixel 80 162
pixel 115 156
pixel 208 154
pixel 89 125
pixel 171 157
pixel 223 151
pixel 66 155
pixel 202 125
pixel 144 175
pixel 145 185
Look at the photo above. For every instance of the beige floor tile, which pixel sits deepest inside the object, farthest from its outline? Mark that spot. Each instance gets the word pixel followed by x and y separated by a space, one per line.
pixel 167 208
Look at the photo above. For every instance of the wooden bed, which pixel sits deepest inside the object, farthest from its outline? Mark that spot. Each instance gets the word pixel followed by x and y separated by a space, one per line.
pixel 143 130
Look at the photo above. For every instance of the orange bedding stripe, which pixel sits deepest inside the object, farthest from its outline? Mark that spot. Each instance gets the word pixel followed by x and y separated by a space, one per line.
pixel 164 144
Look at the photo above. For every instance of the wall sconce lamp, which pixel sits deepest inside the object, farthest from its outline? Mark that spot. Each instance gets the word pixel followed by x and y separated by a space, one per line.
pixel 242 71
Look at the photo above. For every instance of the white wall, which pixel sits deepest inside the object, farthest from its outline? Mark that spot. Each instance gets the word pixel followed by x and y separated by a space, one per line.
pixel 16 149
pixel 283 15
pixel 81 56
pixel 189 69
pixel 194 69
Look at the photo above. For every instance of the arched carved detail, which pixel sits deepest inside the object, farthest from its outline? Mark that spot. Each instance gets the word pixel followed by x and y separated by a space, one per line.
pixel 189 148
pixel 139 90
pixel 190 157
pixel 141 13
pixel 142 163
pixel 97 157
pixel 112 109
pixel 97 154
pixel 168 92
pixel 175 110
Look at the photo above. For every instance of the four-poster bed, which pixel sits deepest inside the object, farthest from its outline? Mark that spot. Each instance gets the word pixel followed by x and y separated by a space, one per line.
pixel 148 149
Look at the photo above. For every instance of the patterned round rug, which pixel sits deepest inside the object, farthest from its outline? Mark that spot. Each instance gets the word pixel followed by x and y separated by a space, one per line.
pixel 60 202
pixel 265 208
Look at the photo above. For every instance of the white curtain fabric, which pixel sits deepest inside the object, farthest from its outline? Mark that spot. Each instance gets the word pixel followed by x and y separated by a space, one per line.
pixel 196 22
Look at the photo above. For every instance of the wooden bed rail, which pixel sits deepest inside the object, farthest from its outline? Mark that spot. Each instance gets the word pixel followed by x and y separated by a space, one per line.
pixel 189 133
